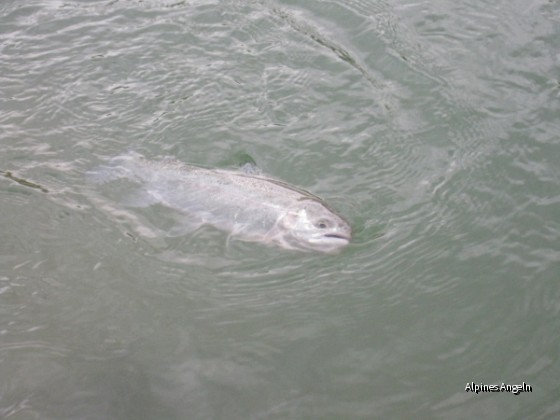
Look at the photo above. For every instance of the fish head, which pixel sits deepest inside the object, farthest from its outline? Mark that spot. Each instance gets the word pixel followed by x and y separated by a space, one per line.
pixel 312 225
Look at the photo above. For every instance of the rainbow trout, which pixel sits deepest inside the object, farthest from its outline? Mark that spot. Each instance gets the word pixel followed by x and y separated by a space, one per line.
pixel 250 206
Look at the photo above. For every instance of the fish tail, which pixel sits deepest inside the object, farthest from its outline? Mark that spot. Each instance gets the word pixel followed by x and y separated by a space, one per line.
pixel 116 167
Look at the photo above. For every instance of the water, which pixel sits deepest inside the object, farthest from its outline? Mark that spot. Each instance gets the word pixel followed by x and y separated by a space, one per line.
pixel 432 126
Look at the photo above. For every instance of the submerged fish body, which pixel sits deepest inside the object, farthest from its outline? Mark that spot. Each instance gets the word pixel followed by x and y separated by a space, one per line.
pixel 249 206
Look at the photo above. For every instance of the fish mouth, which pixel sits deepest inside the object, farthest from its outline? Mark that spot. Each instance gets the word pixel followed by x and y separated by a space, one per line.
pixel 336 236
pixel 329 243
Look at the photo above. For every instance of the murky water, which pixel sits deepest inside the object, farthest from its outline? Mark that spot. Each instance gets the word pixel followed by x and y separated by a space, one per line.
pixel 432 126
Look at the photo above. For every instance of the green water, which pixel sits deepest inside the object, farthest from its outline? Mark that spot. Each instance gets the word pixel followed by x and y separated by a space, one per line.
pixel 433 127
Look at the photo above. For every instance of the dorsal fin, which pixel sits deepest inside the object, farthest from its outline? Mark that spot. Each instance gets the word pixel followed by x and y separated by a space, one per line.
pixel 250 168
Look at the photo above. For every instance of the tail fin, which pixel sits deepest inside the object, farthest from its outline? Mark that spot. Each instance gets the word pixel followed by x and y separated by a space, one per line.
pixel 117 167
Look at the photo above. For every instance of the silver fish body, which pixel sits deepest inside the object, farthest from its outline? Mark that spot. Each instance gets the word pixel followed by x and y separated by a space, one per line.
pixel 249 206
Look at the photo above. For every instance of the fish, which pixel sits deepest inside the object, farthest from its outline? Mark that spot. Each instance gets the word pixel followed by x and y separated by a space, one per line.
pixel 247 204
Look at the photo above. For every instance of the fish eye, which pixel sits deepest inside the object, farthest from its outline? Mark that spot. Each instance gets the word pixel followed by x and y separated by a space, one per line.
pixel 322 224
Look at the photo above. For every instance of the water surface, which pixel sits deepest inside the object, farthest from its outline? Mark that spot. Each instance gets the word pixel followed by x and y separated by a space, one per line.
pixel 432 127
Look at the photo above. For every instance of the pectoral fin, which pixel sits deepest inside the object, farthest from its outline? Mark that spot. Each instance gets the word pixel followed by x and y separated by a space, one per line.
pixel 183 228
